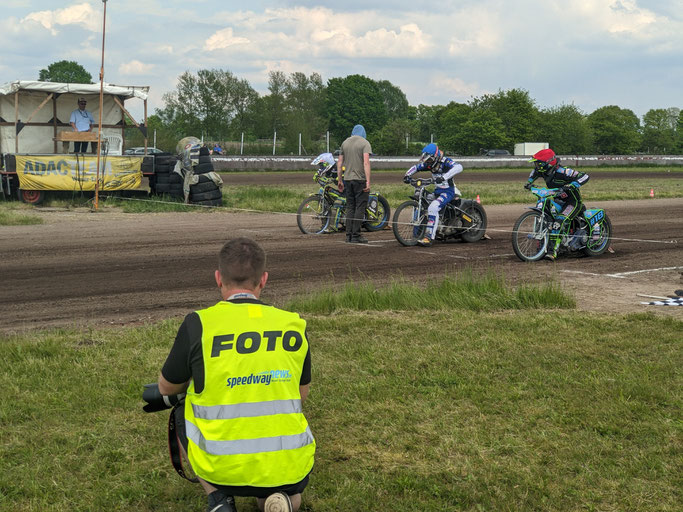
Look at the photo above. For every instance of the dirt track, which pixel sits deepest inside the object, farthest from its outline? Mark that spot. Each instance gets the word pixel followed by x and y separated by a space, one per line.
pixel 394 177
pixel 111 268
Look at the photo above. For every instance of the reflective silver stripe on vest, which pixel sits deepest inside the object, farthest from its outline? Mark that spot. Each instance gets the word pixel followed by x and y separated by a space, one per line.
pixel 246 410
pixel 244 446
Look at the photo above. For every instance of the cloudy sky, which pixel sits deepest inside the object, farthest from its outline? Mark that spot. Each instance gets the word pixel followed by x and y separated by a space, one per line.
pixel 588 52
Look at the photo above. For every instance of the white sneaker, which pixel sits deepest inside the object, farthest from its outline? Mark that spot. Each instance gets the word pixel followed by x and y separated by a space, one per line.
pixel 278 502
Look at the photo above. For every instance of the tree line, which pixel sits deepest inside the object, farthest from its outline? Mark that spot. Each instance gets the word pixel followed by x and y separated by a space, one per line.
pixel 299 111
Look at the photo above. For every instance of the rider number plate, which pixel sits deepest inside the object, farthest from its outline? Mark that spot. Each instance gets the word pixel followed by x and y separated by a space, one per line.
pixel 372 205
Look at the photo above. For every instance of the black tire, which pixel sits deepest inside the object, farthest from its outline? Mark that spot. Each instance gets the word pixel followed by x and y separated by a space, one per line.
pixel 203 187
pixel 531 236
pixel 167 188
pixel 203 168
pixel 147 167
pixel 409 223
pixel 599 246
pixel 34 197
pixel 170 178
pixel 313 217
pixel 383 216
pixel 475 230
pixel 205 159
pixel 206 196
pixel 209 202
pixel 165 160
pixel 176 178
pixel 163 168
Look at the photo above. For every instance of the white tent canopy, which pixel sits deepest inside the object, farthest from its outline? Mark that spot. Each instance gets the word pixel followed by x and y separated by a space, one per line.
pixel 32 113
pixel 127 91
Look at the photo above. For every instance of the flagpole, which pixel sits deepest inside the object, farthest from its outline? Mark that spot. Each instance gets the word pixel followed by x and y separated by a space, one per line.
pixel 99 128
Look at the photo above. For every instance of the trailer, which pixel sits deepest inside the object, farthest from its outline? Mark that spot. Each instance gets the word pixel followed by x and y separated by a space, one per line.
pixel 529 148
pixel 35 136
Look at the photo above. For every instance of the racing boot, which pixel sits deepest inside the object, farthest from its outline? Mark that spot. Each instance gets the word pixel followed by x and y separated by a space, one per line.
pixel 425 242
pixel 553 246
pixel 219 502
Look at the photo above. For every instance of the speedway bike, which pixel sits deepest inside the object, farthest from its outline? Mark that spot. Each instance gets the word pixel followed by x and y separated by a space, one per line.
pixel 325 212
pixel 590 232
pixel 461 218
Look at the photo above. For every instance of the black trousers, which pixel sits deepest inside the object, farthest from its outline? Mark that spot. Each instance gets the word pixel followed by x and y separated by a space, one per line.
pixel 82 147
pixel 356 204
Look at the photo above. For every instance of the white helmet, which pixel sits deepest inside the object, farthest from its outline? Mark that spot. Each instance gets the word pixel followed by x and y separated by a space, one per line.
pixel 323 161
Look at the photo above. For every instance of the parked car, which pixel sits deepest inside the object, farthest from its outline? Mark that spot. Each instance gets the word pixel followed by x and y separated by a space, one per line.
pixel 496 152
pixel 141 151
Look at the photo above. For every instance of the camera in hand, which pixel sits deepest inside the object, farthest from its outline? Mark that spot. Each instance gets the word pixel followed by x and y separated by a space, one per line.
pixel 158 402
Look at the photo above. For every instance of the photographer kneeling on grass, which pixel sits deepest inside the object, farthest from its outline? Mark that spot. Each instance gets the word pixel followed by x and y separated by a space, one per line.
pixel 246 369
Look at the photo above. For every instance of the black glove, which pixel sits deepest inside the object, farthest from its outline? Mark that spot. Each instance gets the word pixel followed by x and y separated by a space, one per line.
pixel 406 179
pixel 527 186
pixel 566 189
pixel 439 179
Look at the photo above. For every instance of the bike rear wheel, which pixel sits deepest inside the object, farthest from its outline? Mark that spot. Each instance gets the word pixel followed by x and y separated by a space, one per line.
pixel 600 244
pixel 530 236
pixel 313 216
pixel 381 217
pixel 409 223
pixel 474 230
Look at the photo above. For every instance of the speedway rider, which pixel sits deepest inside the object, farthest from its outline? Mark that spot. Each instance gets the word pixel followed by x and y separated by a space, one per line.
pixel 443 169
pixel 327 165
pixel 547 165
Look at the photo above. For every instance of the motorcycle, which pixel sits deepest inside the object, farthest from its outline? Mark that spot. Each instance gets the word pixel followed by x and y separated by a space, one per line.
pixel 325 212
pixel 461 218
pixel 590 232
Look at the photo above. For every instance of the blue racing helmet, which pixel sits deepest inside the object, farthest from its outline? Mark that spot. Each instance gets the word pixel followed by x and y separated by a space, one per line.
pixel 431 155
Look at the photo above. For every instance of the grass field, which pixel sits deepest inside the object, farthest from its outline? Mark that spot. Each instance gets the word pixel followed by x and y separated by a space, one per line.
pixel 509 399
pixel 287 198
pixel 17 214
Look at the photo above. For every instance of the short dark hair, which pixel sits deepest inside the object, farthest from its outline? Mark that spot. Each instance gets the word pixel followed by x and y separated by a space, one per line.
pixel 242 262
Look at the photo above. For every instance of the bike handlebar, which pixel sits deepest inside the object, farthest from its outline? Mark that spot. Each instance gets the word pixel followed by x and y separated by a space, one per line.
pixel 421 182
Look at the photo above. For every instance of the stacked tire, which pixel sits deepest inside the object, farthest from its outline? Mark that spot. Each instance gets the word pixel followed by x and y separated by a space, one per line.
pixel 165 181
pixel 205 191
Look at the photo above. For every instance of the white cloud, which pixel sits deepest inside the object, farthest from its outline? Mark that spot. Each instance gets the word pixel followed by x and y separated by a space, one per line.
pixel 135 67
pixel 322 32
pixel 478 30
pixel 224 39
pixel 455 86
pixel 80 14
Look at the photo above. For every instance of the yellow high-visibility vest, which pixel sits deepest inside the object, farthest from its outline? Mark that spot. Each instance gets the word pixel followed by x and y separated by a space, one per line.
pixel 246 427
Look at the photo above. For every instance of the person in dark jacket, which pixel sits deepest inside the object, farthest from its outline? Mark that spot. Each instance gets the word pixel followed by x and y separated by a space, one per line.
pixel 547 165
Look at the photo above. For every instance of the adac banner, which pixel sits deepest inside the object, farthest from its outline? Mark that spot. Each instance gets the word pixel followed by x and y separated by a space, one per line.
pixel 77 172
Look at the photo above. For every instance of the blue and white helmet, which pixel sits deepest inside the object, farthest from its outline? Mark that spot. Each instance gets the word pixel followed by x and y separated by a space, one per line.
pixel 431 155
pixel 324 161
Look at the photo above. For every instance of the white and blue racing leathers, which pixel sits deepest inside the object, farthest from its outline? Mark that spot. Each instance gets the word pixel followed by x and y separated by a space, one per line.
pixel 444 191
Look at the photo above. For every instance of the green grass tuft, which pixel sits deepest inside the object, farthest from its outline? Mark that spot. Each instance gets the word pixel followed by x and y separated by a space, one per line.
pixel 16 217
pixel 464 291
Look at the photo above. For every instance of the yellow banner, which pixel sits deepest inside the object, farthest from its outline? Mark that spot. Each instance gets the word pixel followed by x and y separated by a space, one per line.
pixel 68 172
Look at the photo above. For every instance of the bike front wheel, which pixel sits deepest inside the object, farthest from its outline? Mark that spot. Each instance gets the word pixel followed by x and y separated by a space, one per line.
pixel 313 216
pixel 530 236
pixel 409 223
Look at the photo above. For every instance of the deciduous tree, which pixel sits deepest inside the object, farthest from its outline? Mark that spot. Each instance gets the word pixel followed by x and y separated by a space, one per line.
pixel 615 130
pixel 565 129
pixel 65 71
pixel 355 99
pixel 659 130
